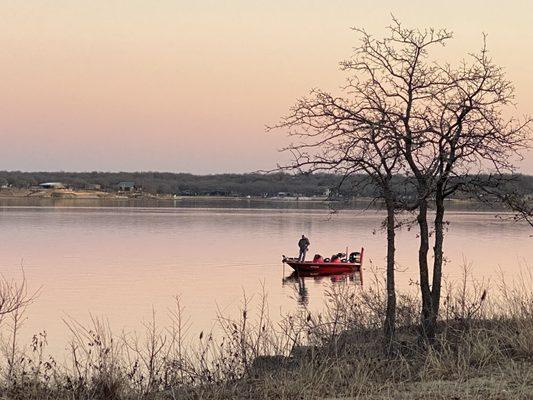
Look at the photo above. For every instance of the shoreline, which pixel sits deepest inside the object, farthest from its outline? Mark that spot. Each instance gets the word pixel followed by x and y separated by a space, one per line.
pixel 100 195
pixel 71 198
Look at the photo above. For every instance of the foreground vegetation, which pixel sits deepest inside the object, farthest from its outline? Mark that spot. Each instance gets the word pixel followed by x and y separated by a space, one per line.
pixel 483 349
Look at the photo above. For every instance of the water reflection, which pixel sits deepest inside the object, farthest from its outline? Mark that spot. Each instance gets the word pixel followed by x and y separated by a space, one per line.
pixel 220 203
pixel 298 280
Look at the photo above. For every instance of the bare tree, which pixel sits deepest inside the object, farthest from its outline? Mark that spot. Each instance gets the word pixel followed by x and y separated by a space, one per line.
pixel 509 191
pixel 439 124
pixel 349 135
pixel 448 123
pixel 523 206
pixel 14 299
pixel 399 77
pixel 14 295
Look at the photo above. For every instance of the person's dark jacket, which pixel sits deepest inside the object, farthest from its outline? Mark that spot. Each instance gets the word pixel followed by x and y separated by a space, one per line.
pixel 303 243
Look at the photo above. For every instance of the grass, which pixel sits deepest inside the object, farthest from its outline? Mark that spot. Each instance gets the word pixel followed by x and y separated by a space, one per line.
pixel 483 350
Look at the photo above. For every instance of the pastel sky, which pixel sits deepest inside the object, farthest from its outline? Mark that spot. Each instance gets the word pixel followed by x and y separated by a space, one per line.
pixel 190 85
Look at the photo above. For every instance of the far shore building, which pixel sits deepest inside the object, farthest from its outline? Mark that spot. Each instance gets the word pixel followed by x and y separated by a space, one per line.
pixel 52 185
pixel 126 187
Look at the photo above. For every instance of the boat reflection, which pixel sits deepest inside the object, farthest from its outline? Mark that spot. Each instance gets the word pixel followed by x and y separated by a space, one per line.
pixel 298 279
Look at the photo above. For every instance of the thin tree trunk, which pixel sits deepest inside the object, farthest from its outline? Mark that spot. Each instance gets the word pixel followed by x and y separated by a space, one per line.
pixel 390 317
pixel 427 330
pixel 437 266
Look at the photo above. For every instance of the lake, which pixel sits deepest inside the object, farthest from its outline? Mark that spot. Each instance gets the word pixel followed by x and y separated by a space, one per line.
pixel 122 262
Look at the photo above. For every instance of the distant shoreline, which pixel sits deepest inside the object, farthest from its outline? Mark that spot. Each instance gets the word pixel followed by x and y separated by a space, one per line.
pixel 11 193
pixel 275 186
pixel 75 198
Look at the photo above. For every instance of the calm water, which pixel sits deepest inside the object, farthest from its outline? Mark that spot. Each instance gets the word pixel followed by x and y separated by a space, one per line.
pixel 123 262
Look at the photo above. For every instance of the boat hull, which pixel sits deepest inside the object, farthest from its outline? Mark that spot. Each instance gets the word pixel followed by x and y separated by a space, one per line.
pixel 311 268
pixel 323 268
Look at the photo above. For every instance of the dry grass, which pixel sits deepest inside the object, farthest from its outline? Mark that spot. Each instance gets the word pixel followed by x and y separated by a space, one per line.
pixel 484 350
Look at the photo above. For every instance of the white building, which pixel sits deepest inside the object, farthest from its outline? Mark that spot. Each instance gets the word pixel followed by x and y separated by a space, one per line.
pixel 52 185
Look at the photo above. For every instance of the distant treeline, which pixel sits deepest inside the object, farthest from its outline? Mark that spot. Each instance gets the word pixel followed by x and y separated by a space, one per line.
pixel 253 184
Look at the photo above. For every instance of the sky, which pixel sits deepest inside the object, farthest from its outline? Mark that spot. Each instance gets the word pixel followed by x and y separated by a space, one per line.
pixel 188 86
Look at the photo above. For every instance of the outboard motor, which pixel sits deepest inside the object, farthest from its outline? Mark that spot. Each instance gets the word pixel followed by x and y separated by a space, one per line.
pixel 355 257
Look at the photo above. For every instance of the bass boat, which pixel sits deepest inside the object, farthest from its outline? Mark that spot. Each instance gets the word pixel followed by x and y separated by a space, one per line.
pixel 320 266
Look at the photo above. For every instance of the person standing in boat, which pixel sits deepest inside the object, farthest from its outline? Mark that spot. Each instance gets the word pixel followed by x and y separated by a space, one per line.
pixel 303 244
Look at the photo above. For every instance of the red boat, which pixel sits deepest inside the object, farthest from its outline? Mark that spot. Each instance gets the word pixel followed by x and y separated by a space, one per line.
pixel 353 264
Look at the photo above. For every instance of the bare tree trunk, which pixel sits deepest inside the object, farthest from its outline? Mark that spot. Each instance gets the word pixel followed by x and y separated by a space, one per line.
pixel 438 253
pixel 390 317
pixel 427 328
